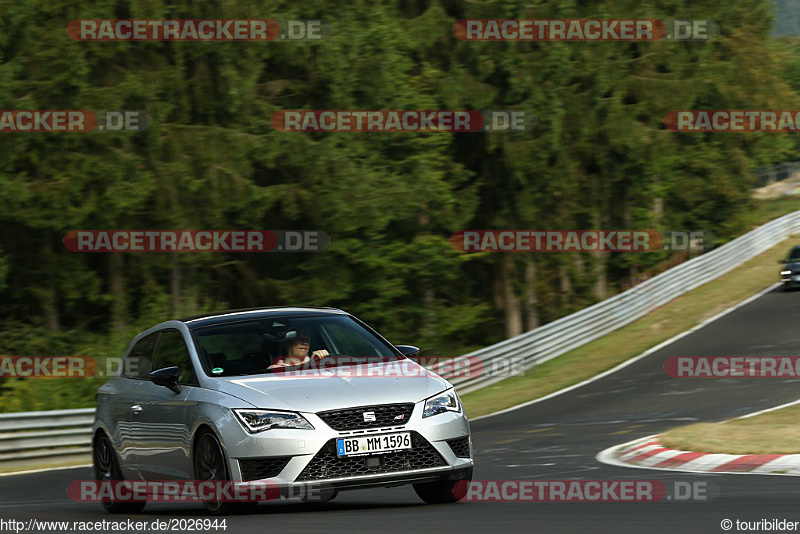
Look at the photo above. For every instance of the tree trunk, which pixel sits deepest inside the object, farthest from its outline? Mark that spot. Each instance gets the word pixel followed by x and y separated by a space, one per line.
pixel 175 285
pixel 119 302
pixel 531 295
pixel 566 285
pixel 428 329
pixel 600 274
pixel 511 304
pixel 600 268
pixel 50 297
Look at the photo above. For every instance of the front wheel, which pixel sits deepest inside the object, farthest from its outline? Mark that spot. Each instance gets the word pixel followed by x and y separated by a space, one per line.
pixel 106 469
pixel 210 465
pixel 444 491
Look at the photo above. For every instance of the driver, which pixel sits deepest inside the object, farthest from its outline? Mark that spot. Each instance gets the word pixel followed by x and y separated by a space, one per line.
pixel 295 348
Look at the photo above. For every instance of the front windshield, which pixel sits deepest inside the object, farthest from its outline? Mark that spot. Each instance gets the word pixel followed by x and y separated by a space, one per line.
pixel 251 347
pixel 795 253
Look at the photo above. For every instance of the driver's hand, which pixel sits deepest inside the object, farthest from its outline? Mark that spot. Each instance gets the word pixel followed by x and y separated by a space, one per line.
pixel 320 354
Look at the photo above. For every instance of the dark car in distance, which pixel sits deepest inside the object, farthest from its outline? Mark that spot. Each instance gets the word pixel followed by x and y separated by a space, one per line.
pixel 790 273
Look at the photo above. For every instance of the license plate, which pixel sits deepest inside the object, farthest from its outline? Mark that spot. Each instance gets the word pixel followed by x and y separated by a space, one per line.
pixel 373 444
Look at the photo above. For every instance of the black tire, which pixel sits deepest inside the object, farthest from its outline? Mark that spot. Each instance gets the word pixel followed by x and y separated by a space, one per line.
pixel 210 464
pixel 106 468
pixel 444 491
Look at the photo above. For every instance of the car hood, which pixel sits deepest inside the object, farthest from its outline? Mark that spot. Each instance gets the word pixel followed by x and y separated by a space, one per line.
pixel 791 266
pixel 342 387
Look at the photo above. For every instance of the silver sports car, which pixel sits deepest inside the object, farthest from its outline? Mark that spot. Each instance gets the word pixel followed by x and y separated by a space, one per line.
pixel 297 397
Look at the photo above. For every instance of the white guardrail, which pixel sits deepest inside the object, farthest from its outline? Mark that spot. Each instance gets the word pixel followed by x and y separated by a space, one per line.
pixel 63 436
pixel 52 438
pixel 572 331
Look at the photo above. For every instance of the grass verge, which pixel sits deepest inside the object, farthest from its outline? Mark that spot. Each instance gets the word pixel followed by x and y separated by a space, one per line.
pixel 769 433
pixel 633 339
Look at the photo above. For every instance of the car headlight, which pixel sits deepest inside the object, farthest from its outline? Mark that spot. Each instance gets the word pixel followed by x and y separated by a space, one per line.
pixel 446 401
pixel 784 273
pixel 260 420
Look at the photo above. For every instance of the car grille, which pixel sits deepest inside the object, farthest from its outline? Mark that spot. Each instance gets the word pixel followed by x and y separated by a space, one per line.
pixel 460 447
pixel 259 468
pixel 353 418
pixel 326 464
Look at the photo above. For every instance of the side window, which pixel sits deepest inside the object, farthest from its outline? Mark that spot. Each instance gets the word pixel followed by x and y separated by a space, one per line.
pixel 139 360
pixel 172 351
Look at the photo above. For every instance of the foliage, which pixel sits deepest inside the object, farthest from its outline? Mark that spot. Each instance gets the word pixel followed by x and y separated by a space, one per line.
pixel 600 157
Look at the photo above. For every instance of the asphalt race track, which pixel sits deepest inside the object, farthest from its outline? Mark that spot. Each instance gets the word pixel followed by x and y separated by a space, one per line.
pixel 552 440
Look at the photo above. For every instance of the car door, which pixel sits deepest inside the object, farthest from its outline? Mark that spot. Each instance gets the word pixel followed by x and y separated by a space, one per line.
pixel 120 395
pixel 163 440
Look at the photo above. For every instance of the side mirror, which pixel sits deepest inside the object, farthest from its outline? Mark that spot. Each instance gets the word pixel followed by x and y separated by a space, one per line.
pixel 782 261
pixel 408 350
pixel 167 377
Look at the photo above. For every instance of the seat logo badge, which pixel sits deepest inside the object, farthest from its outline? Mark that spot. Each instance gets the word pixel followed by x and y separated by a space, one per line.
pixel 369 417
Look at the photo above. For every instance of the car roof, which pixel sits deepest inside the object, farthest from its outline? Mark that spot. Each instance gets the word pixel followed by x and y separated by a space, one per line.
pixel 230 316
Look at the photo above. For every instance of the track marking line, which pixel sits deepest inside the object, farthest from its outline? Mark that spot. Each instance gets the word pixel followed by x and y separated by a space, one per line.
pixel 768 410
pixel 43 470
pixel 538 430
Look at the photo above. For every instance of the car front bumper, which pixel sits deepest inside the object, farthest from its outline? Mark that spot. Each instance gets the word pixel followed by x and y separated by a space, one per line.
pixel 299 448
pixel 790 279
